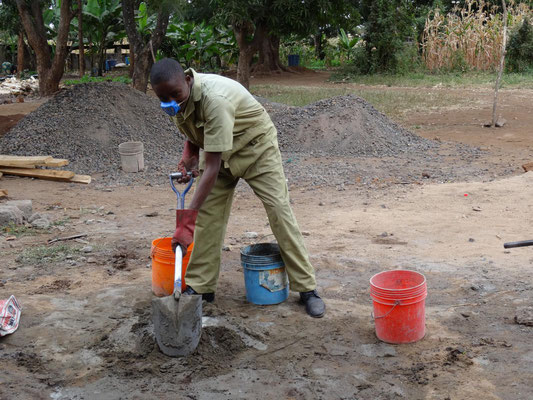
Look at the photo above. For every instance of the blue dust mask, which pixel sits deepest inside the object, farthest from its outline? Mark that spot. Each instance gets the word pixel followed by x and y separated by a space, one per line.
pixel 170 107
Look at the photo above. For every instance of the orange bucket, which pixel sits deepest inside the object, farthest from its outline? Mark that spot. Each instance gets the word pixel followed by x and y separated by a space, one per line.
pixel 399 305
pixel 163 260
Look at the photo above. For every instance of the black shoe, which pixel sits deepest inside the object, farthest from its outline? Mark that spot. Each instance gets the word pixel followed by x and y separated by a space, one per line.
pixel 314 305
pixel 209 297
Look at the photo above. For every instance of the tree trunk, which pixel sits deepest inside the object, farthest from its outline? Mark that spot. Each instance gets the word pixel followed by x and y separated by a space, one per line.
pixel 81 46
pixel 143 63
pixel 502 66
pixel 140 57
pixel 132 61
pixel 20 53
pixel 269 61
pixel 319 46
pixel 247 49
pixel 50 70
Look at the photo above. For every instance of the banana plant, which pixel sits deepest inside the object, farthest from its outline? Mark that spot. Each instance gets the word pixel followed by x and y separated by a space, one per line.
pixel 103 20
pixel 346 44
pixel 201 45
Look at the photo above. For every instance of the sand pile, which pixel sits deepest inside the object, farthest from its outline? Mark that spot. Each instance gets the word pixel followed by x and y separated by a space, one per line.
pixel 86 123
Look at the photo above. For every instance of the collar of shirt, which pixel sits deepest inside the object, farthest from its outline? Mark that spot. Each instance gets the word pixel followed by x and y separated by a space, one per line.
pixel 196 92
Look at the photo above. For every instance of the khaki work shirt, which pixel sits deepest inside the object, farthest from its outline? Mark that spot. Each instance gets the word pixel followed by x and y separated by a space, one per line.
pixel 222 116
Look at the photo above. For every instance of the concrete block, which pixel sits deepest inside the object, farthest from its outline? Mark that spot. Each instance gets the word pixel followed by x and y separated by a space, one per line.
pixel 10 214
pixel 23 205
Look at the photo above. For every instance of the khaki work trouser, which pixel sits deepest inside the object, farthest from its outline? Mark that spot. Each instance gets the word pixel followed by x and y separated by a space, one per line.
pixel 263 171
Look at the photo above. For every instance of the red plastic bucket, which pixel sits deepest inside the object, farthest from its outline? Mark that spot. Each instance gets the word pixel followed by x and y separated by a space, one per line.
pixel 399 305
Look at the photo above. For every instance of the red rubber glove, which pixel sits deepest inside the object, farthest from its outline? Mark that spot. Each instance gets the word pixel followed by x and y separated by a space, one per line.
pixel 188 162
pixel 185 221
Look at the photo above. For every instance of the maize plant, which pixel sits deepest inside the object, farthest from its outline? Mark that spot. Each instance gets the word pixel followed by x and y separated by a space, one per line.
pixel 469 37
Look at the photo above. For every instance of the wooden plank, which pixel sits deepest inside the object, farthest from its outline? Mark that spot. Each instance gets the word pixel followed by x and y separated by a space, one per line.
pixel 3 193
pixel 528 167
pixel 23 161
pixel 16 164
pixel 48 174
pixel 85 179
pixel 55 162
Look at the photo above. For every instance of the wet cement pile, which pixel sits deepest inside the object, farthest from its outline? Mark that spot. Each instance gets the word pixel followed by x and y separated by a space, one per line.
pixel 86 123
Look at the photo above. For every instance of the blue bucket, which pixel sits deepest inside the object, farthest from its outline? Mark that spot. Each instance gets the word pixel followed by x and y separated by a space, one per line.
pixel 265 278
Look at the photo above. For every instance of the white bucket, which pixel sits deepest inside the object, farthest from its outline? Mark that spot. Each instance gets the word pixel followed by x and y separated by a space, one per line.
pixel 131 156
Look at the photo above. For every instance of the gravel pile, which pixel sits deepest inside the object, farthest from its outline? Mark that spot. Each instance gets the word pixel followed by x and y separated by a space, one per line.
pixel 86 123
pixel 342 126
pixel 338 141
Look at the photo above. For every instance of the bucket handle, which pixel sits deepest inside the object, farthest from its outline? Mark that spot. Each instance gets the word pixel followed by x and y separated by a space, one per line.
pixel 396 303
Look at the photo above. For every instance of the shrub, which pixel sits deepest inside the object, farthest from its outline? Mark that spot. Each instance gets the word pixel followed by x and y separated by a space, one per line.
pixel 520 50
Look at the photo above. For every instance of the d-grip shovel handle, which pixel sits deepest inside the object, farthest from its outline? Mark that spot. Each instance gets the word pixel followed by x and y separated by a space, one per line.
pixel 523 243
pixel 181 195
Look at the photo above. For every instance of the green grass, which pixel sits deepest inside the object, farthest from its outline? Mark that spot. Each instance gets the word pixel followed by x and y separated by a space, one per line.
pixel 425 79
pixel 395 103
pixel 20 230
pixel 46 254
pixel 88 79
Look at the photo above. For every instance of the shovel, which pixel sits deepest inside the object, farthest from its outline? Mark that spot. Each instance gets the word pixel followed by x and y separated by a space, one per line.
pixel 177 319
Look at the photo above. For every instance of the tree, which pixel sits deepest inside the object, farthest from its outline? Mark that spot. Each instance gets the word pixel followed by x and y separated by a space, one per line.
pixel 50 68
pixel 388 24
pixel 12 27
pixel 104 26
pixel 144 45
pixel 259 26
pixel 81 47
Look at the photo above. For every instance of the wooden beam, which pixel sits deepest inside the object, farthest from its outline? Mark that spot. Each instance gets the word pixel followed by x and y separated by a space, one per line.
pixel 48 174
pixel 55 162
pixel 22 161
pixel 85 179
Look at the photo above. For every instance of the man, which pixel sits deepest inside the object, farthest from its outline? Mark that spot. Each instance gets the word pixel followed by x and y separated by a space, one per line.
pixel 238 139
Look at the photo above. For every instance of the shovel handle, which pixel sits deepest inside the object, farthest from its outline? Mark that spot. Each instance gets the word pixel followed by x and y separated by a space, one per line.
pixel 180 195
pixel 177 272
pixel 522 243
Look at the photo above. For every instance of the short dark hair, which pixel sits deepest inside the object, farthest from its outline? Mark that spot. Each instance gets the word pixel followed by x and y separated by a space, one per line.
pixel 165 70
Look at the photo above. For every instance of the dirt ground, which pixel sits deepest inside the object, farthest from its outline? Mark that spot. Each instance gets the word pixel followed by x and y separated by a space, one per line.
pixel 86 331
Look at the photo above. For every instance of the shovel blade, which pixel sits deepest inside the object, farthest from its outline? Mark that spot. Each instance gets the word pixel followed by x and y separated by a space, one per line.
pixel 177 324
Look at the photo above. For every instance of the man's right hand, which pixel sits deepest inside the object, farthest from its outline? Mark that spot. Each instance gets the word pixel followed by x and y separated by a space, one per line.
pixel 188 162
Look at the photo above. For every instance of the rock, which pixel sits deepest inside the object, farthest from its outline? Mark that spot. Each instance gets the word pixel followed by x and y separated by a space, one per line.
pixel 306 233
pixel 524 316
pixel 91 260
pixel 41 223
pixel 23 205
pixel 35 216
pixel 87 249
pixel 377 350
pixel 251 235
pixel 226 248
pixel 10 214
pixel 500 122
pixel 471 240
